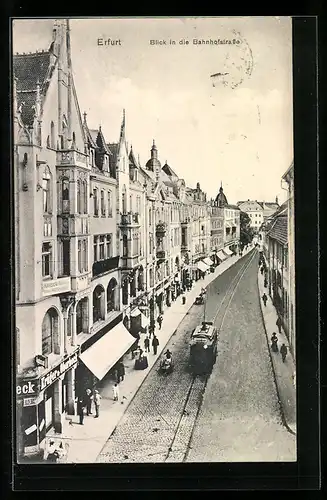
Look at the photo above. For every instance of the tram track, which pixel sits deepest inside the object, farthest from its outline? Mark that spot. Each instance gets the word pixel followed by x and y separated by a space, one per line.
pixel 180 444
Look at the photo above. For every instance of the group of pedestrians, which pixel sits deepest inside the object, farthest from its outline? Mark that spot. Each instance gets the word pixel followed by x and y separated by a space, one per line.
pixel 85 402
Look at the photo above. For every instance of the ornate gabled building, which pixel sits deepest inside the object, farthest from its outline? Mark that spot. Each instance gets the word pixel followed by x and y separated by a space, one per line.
pixel 52 225
pixel 163 191
pixel 225 227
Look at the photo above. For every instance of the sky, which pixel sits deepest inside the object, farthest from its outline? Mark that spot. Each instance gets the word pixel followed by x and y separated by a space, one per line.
pixel 236 129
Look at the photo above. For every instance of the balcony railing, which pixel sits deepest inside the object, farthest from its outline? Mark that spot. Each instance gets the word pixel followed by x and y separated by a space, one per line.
pixel 161 228
pixel 161 254
pixel 71 157
pixel 103 266
pixel 130 219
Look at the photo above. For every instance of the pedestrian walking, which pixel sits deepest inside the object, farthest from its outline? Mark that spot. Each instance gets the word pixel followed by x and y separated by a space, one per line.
pixel 264 299
pixel 120 371
pixel 147 344
pixel 183 300
pixel 97 399
pixel 265 283
pixel 80 410
pixel 88 401
pixel 151 329
pixel 274 340
pixel 279 324
pixel 155 343
pixel 283 351
pixel 115 391
pixel 159 320
pixel 262 270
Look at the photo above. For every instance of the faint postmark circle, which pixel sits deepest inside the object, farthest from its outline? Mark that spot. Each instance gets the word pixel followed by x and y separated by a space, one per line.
pixel 237 65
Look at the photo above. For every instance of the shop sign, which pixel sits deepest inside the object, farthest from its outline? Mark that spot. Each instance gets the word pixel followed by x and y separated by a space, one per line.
pixel 52 287
pixel 59 370
pixel 30 402
pixel 41 360
pixel 27 388
pixel 33 401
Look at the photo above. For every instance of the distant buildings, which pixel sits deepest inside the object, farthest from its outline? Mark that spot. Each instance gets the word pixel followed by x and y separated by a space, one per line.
pixel 258 211
pixel 225 227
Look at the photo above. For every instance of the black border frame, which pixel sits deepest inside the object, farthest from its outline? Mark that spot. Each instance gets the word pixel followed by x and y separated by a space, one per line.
pixel 303 475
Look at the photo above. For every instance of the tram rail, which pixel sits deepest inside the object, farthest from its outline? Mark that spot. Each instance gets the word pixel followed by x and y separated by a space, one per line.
pixel 180 444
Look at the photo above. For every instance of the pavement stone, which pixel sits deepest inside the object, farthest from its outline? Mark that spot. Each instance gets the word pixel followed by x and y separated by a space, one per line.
pixel 85 443
pixel 240 418
pixel 283 372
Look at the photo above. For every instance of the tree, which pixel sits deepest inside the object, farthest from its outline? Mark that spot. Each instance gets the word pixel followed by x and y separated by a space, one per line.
pixel 246 231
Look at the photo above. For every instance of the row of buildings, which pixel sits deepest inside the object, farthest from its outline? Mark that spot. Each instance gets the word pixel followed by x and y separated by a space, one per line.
pixel 278 241
pixel 103 244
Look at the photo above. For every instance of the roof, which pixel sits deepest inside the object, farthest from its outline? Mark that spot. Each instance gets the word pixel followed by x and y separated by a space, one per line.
pixel 232 206
pixel 113 148
pixel 279 230
pixel 30 69
pixel 169 171
pixel 249 205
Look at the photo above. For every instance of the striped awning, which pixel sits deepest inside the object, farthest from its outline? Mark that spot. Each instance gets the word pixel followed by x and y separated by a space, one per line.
pixel 227 251
pixel 208 261
pixel 221 255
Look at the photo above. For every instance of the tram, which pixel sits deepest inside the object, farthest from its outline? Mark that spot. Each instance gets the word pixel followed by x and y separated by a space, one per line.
pixel 203 348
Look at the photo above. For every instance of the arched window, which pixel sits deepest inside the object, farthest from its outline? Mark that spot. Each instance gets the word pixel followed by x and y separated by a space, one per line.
pixel 98 304
pixel 46 187
pixel 112 290
pixel 109 204
pixel 95 202
pixel 65 195
pixel 52 136
pixel 151 277
pixel 103 207
pixel 85 197
pixel 79 197
pixel 123 201
pixel 50 333
pixel 74 139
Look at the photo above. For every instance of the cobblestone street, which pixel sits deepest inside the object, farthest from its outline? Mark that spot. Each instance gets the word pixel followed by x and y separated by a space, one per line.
pixel 242 383
pixel 240 418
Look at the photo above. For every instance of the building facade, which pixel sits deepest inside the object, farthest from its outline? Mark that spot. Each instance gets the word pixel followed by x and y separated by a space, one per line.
pixel 103 244
pixel 255 211
pixel 52 224
pixel 225 227
pixel 288 177
pixel 276 249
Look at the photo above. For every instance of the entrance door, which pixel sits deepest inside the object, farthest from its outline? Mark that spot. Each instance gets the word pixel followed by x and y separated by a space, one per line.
pixel 49 408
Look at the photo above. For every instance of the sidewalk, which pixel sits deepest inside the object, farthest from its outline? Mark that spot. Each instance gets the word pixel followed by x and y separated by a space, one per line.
pixel 86 441
pixel 283 372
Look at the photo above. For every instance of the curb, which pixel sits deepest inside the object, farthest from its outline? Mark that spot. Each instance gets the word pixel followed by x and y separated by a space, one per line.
pixel 149 371
pixel 281 409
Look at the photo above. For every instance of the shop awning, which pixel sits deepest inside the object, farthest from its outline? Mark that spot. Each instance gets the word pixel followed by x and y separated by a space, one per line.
pixel 102 355
pixel 202 266
pixel 208 261
pixel 221 255
pixel 227 251
pixel 136 312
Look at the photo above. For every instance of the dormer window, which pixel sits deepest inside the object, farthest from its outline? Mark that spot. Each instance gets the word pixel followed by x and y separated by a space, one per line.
pixel 91 157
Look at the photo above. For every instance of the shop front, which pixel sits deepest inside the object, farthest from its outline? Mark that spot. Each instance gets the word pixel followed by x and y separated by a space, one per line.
pixel 43 402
